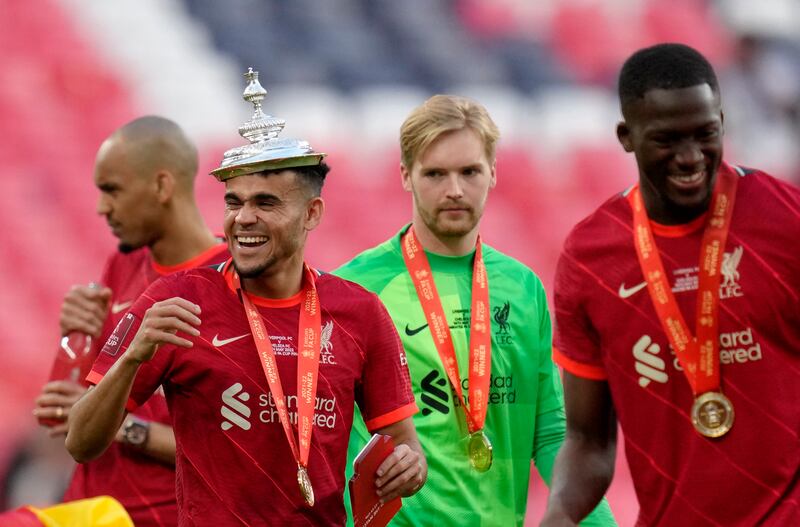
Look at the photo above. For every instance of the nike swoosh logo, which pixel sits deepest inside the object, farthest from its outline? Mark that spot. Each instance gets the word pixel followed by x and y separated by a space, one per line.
pixel 217 342
pixel 411 332
pixel 119 307
pixel 625 293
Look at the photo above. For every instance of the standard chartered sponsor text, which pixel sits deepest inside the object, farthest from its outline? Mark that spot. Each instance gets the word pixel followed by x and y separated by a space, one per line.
pixel 501 390
pixel 736 347
pixel 324 410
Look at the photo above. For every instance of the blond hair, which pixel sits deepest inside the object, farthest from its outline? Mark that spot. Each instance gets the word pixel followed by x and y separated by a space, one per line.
pixel 441 114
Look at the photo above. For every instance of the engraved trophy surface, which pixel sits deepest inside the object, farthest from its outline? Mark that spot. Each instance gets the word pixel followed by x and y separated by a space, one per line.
pixel 265 151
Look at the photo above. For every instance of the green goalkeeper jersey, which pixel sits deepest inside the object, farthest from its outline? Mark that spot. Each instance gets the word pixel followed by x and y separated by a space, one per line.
pixel 525 417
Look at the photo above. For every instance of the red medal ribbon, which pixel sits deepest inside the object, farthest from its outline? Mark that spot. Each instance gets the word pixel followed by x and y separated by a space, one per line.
pixel 480 356
pixel 308 336
pixel 698 354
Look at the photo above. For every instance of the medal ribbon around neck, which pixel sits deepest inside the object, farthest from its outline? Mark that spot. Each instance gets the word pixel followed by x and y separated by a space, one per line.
pixel 480 356
pixel 308 336
pixel 698 354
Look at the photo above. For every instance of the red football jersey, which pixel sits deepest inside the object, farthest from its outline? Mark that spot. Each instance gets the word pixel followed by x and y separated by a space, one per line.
pixel 234 462
pixel 144 486
pixel 607 328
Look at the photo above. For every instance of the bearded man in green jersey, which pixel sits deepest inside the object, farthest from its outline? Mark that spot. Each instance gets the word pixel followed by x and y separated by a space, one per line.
pixel 475 327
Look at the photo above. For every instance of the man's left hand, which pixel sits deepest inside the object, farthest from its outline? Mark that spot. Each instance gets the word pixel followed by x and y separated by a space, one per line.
pixel 55 402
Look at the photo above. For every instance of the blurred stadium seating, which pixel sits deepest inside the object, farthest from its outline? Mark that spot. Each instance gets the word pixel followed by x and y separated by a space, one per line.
pixel 343 74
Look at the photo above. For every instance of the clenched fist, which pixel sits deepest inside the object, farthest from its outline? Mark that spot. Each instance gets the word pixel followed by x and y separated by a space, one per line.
pixel 160 325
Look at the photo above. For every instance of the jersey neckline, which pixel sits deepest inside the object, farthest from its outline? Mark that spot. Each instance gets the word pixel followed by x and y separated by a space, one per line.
pixel 677 231
pixel 294 300
pixel 441 262
pixel 188 264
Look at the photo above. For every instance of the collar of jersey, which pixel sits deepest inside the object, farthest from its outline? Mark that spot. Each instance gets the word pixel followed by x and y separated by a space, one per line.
pixel 191 263
pixel 677 231
pixel 440 262
pixel 227 273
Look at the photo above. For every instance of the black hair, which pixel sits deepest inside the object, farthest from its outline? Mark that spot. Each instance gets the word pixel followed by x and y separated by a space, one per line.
pixel 664 66
pixel 313 176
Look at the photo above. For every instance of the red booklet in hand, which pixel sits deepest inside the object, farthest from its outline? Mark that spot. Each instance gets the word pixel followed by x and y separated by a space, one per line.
pixel 367 507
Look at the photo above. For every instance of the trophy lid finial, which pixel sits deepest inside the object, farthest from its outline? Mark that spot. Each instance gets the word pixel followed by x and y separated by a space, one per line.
pixel 266 151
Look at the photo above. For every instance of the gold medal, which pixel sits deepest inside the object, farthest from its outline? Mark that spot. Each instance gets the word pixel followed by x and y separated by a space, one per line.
pixel 712 414
pixel 305 485
pixel 480 451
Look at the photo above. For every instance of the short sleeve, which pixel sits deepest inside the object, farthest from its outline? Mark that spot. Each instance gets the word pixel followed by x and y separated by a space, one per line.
pixel 385 395
pixel 576 347
pixel 152 373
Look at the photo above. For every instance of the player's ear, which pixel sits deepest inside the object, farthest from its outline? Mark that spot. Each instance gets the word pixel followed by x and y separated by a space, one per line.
pixel 493 173
pixel 314 211
pixel 405 176
pixel 165 186
pixel 624 136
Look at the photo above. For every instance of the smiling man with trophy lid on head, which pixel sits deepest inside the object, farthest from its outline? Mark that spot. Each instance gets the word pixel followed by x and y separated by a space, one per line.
pixel 261 423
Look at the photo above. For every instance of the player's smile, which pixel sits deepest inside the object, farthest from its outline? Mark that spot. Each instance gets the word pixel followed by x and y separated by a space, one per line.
pixel 250 246
pixel 249 241
pixel 688 183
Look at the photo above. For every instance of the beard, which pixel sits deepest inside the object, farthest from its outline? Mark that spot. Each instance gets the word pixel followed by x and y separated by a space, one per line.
pixel 437 223
pixel 126 248
pixel 252 272
pixel 127 243
pixel 443 228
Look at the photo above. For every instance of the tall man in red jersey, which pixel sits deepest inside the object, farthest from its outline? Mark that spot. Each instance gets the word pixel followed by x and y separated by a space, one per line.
pixel 145 173
pixel 678 312
pixel 261 359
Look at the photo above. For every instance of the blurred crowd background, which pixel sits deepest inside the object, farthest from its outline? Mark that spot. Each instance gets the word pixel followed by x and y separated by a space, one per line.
pixel 344 74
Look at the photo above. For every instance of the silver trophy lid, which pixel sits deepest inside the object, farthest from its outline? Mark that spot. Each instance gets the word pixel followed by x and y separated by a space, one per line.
pixel 266 150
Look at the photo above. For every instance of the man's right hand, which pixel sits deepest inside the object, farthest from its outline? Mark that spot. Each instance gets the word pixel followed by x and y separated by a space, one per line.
pixel 584 466
pixel 159 326
pixel 85 309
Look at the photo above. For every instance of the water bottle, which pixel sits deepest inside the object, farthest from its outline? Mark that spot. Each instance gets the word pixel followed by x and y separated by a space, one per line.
pixel 73 361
